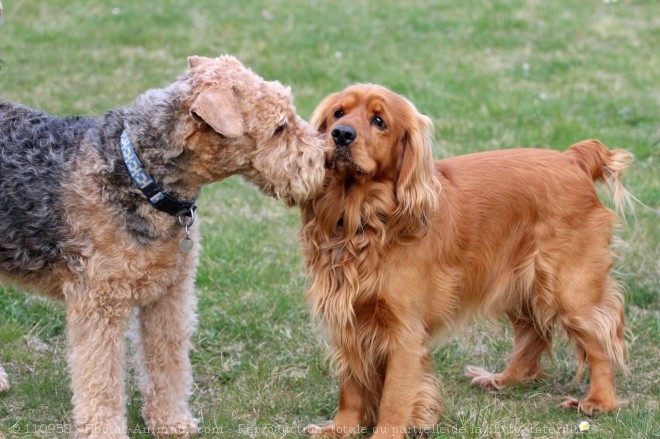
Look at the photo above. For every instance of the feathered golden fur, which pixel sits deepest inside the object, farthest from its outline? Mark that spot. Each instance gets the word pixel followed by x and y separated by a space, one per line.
pixel 401 250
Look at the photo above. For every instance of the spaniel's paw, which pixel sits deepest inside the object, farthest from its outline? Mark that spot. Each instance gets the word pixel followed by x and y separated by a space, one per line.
pixel 483 378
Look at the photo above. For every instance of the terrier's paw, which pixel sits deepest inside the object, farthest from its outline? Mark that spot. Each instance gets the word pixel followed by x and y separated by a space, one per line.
pixel 483 378
pixel 4 379
pixel 111 430
pixel 181 429
pixel 80 435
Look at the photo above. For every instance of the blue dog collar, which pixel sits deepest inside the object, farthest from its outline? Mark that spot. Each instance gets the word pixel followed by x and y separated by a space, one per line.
pixel 148 185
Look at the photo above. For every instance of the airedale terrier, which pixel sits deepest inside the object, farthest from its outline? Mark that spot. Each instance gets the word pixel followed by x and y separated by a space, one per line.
pixel 99 213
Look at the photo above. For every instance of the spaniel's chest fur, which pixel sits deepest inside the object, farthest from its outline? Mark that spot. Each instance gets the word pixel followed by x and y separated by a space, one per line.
pixel 345 248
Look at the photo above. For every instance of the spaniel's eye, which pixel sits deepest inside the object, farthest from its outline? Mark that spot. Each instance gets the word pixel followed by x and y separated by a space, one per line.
pixel 279 129
pixel 339 113
pixel 379 122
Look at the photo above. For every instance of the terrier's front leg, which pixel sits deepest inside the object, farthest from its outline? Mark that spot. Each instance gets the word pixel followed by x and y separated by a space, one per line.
pixel 163 343
pixel 96 360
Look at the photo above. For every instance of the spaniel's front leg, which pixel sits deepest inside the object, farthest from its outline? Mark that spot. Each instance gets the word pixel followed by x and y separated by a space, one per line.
pixel 350 420
pixel 410 399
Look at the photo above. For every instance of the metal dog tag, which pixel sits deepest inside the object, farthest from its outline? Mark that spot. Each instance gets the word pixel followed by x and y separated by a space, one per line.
pixel 186 244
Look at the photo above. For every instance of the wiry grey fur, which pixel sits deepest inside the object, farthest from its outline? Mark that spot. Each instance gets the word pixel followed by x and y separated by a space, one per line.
pixel 37 150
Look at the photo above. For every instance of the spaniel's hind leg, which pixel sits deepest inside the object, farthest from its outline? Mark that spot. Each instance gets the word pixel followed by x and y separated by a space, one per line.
pixel 4 380
pixel 598 332
pixel 525 362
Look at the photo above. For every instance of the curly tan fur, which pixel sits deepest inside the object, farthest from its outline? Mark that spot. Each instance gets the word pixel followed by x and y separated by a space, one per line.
pixel 78 229
pixel 401 250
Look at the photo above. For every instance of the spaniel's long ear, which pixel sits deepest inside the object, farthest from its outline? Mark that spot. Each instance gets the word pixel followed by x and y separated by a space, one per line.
pixel 217 107
pixel 417 187
pixel 321 116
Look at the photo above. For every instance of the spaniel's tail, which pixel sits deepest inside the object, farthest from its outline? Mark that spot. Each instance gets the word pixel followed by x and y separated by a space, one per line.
pixel 605 165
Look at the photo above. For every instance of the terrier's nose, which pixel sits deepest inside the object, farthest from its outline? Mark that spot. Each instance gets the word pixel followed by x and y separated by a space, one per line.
pixel 343 135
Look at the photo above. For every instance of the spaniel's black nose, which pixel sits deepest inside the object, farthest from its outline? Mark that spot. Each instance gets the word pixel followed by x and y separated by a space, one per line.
pixel 343 135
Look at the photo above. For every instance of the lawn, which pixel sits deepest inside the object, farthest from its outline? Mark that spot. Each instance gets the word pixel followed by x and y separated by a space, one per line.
pixel 491 74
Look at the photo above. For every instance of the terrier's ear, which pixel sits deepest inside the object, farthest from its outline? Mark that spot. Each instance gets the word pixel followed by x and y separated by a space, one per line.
pixel 195 60
pixel 217 107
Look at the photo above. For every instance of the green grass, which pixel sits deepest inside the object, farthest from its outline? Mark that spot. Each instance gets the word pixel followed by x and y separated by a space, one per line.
pixel 491 74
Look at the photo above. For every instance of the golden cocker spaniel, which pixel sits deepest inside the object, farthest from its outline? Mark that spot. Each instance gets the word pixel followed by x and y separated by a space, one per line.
pixel 402 250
